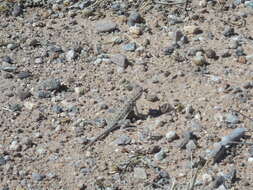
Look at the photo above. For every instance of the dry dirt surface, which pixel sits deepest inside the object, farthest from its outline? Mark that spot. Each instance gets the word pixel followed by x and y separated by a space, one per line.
pixel 67 69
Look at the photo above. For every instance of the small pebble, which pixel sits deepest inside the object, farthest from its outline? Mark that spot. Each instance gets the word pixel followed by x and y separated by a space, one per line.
pixel 171 136
pixel 123 140
pixel 134 18
pixel 231 119
pixel 160 155
pixel 199 60
pixel 37 177
pixel 129 47
pixel 210 54
pixel 135 30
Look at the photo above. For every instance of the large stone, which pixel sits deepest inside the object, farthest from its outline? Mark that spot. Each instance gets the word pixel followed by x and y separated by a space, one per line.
pixel 105 26
pixel 120 60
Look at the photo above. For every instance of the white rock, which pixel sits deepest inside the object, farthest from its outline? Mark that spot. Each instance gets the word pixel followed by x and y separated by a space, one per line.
pixel 171 135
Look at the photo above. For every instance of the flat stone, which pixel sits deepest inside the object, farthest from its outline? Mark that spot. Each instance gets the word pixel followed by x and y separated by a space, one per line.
pixel 140 173
pixel 120 60
pixel 23 75
pixel 129 46
pixel 51 84
pixel 38 177
pixel 105 26
pixel 123 140
pixel 160 155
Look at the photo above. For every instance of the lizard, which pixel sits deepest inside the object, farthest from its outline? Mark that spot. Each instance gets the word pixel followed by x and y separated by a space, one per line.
pixel 129 106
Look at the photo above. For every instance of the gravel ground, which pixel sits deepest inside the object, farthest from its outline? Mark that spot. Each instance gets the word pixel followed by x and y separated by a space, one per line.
pixel 66 68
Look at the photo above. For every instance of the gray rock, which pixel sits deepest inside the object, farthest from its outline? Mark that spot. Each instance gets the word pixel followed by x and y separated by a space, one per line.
pixel 123 140
pixel 38 177
pixel 129 46
pixel 120 60
pixel 189 109
pixel 199 60
pixel 43 94
pixel 171 135
pixel 105 26
pixel 12 46
pixel 50 85
pixel 15 146
pixel 98 61
pixel 235 135
pixel 188 135
pixel 57 109
pixel 2 161
pixel 231 118
pixel 15 107
pixel 23 75
pixel 249 4
pixel 211 54
pixel 134 18
pixel 7 59
pixel 71 55
pixel 17 10
pixel 8 67
pixel 55 49
pixel 160 155
pixel 38 60
pixel 239 51
pixel 51 175
pixel 234 44
pixel 140 173
pixel 168 50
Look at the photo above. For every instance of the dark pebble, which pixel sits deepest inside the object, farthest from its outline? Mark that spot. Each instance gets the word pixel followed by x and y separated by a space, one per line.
pixel 57 109
pixel 134 18
pixel 168 50
pixel 23 75
pixel 17 11
pixel 7 59
pixel 228 32
pixel 210 54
